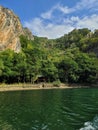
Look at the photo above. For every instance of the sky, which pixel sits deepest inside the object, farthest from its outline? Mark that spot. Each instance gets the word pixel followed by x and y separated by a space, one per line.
pixel 54 18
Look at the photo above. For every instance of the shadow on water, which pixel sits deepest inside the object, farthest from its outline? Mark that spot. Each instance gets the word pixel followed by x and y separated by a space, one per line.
pixel 68 109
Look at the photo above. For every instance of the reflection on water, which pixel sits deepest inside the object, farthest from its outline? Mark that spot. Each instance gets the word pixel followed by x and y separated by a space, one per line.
pixel 49 110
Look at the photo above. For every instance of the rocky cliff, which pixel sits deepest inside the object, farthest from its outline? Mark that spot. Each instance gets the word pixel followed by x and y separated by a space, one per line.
pixel 10 30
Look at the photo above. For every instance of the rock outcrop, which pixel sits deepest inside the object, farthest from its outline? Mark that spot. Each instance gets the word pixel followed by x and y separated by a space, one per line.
pixel 28 33
pixel 10 30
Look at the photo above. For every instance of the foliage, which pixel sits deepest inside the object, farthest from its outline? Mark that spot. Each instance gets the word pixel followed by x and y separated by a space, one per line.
pixel 57 83
pixel 71 58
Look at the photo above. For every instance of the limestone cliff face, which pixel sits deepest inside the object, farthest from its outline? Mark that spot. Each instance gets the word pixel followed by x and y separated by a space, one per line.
pixel 10 30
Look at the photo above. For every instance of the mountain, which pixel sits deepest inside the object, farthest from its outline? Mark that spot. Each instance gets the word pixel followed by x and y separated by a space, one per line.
pixel 10 30
pixel 84 39
pixel 68 59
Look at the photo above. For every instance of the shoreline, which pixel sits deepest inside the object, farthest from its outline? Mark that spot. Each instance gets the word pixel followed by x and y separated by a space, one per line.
pixel 23 87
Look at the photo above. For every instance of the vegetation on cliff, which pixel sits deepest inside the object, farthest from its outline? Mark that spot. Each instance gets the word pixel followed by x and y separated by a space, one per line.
pixel 10 30
pixel 69 59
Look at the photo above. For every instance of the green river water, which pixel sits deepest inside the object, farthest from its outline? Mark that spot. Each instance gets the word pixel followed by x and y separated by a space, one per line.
pixel 55 109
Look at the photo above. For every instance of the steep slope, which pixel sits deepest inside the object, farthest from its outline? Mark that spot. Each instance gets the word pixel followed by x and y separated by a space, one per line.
pixel 84 39
pixel 10 30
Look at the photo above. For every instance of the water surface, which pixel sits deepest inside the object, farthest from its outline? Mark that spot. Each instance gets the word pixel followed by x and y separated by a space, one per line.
pixel 67 109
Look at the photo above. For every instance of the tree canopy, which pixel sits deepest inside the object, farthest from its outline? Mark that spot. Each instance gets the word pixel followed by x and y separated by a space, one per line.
pixel 70 59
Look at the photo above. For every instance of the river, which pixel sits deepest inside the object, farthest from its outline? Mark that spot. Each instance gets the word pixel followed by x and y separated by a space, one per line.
pixel 54 109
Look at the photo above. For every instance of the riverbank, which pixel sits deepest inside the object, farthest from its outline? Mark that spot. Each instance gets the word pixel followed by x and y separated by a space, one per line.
pixel 18 87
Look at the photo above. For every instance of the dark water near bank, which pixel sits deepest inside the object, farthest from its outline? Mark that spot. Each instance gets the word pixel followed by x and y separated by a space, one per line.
pixel 70 109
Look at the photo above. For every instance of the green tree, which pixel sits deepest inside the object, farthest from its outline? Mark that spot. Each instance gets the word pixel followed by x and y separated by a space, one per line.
pixel 1 67
pixel 49 70
pixel 68 70
pixel 87 68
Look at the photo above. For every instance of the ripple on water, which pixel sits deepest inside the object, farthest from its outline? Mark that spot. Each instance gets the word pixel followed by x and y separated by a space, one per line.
pixel 93 125
pixel 40 126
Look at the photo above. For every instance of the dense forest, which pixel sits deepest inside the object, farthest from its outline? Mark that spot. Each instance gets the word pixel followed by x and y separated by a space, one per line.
pixel 72 58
